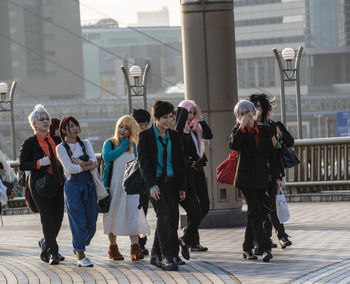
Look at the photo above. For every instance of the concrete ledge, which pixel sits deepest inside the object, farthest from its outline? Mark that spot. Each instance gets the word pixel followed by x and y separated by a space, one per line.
pixel 16 211
pixel 220 218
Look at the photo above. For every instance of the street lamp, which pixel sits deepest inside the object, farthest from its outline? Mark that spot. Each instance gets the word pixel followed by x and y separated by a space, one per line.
pixel 7 105
pixel 290 74
pixel 137 89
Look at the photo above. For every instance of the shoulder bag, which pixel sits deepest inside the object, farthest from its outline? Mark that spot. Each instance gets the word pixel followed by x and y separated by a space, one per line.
pixel 289 158
pixel 132 181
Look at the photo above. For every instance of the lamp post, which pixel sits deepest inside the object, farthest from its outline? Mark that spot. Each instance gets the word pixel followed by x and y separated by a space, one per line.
pixel 7 105
pixel 290 74
pixel 138 89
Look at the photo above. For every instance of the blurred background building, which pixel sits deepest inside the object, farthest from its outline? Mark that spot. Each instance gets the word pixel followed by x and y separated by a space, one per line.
pixel 74 69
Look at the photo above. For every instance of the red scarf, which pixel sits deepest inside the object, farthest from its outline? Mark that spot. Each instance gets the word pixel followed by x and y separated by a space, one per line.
pixel 254 130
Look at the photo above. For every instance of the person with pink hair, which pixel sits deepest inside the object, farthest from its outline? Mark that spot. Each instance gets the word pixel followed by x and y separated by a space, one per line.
pixel 196 130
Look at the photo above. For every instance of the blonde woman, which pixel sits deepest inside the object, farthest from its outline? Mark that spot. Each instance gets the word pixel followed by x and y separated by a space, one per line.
pixel 124 217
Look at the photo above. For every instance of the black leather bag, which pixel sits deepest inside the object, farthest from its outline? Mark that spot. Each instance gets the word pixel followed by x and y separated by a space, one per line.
pixel 103 204
pixel 132 181
pixel 47 186
pixel 289 158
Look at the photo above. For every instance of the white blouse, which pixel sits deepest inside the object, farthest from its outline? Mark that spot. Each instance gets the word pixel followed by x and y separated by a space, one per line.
pixel 67 164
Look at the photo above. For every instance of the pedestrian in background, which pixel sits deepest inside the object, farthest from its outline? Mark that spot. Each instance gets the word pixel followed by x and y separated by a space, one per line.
pixel 38 155
pixel 78 159
pixel 255 148
pixel 143 118
pixel 55 127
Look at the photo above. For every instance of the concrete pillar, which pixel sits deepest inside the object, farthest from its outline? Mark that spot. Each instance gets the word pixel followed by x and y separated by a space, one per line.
pixel 209 56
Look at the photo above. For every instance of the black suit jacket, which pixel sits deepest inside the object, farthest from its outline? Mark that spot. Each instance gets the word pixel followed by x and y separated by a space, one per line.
pixel 147 155
pixel 30 153
pixel 252 169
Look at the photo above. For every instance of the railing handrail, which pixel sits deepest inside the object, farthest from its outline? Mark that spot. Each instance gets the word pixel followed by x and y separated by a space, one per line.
pixel 322 141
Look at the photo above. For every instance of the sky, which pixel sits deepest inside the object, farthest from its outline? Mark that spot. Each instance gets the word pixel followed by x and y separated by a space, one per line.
pixel 125 11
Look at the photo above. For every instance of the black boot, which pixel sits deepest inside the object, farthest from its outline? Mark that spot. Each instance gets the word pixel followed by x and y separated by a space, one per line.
pixel 44 256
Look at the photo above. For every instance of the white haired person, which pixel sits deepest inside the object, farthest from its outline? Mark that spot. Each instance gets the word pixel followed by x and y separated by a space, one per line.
pixel 78 159
pixel 255 148
pixel 38 155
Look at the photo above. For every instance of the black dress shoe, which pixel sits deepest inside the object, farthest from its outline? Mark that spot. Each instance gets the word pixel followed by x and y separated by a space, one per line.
pixel 184 250
pixel 199 248
pixel 177 260
pixel 267 256
pixel 249 255
pixel 54 259
pixel 257 251
pixel 144 251
pixel 60 257
pixel 168 264
pixel 272 244
pixel 45 257
pixel 285 242
pixel 156 260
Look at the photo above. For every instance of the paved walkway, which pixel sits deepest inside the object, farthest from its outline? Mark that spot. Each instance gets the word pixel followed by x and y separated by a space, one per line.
pixel 320 254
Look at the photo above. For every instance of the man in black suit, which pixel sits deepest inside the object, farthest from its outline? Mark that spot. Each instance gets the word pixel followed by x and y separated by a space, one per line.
pixel 161 161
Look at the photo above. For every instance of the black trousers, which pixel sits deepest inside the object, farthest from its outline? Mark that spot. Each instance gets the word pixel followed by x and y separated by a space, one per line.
pixel 194 218
pixel 201 189
pixel 51 214
pixel 167 213
pixel 272 220
pixel 144 201
pixel 254 229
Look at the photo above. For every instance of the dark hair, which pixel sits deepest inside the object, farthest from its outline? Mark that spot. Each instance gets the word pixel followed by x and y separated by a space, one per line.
pixel 64 122
pixel 161 108
pixel 55 124
pixel 141 115
pixel 264 101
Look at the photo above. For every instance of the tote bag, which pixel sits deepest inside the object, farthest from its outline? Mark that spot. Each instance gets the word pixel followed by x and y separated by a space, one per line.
pixel 101 191
pixel 226 171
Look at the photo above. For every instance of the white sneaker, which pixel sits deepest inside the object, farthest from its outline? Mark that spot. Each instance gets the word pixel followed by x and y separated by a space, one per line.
pixel 85 262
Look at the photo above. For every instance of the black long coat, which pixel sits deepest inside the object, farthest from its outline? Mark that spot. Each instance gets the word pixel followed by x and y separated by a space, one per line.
pixel 30 153
pixel 252 169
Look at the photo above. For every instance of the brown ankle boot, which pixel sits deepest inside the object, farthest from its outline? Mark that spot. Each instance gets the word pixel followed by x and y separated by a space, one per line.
pixel 135 252
pixel 114 253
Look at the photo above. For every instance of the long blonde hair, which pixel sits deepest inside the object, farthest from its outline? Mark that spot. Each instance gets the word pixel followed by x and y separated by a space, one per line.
pixel 128 122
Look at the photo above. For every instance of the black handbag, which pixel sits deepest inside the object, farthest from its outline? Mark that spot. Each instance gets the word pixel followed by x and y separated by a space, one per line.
pixel 47 186
pixel 132 181
pixel 288 157
pixel 104 204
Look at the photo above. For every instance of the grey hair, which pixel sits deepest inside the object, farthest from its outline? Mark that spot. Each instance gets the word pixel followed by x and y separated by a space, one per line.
pixel 244 104
pixel 35 115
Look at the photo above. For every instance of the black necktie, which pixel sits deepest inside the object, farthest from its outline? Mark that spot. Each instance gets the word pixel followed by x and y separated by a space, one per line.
pixel 52 159
pixel 165 155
